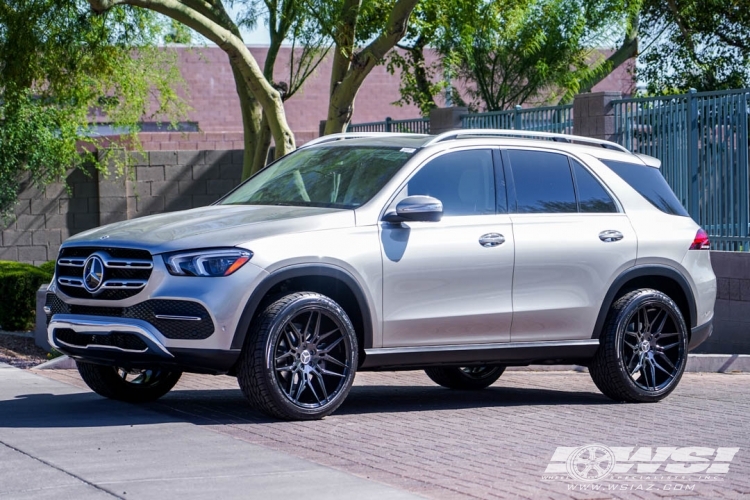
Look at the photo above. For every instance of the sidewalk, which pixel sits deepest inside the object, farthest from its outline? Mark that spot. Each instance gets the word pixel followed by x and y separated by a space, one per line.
pixel 57 441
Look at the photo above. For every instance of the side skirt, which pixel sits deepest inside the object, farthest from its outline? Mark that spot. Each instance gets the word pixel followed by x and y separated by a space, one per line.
pixel 511 353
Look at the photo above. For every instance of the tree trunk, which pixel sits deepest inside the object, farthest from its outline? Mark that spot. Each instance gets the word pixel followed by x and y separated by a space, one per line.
pixel 211 21
pixel 251 122
pixel 350 70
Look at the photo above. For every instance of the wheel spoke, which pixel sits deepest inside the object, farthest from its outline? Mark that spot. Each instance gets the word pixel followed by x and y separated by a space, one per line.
pixel 306 332
pixel 666 358
pixel 287 368
pixel 312 389
pixel 653 373
pixel 322 385
pixel 632 346
pixel 288 337
pixel 300 387
pixel 667 347
pixel 657 365
pixel 637 368
pixel 331 359
pixel 330 347
pixel 326 335
pixel 663 335
pixel 283 356
pixel 663 321
pixel 316 332
pixel 328 372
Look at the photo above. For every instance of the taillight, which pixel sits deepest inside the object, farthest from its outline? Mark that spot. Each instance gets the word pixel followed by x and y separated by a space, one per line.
pixel 701 241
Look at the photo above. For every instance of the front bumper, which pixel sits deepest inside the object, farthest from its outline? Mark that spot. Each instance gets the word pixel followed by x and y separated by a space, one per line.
pixel 700 334
pixel 130 343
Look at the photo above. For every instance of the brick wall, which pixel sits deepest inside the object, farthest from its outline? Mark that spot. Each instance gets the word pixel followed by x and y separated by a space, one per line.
pixel 158 181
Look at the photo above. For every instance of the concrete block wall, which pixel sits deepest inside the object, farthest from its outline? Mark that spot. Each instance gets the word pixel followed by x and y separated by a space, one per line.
pixel 44 218
pixel 732 312
pixel 156 182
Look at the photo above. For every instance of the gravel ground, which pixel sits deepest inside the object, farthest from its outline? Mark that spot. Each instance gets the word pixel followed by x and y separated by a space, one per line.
pixel 19 349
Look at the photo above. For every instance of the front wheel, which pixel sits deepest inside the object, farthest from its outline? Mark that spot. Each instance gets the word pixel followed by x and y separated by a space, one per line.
pixel 300 358
pixel 643 348
pixel 465 377
pixel 132 386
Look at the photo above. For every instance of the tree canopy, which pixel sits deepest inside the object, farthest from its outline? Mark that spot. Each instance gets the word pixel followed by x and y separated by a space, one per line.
pixel 58 65
pixel 703 44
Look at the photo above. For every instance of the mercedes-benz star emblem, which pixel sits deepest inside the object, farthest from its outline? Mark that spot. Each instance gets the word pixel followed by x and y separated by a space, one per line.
pixel 93 273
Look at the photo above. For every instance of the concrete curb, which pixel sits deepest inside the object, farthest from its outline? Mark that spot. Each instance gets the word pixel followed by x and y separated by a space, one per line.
pixel 697 363
pixel 59 363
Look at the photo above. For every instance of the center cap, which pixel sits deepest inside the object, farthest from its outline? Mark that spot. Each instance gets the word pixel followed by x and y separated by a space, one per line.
pixel 645 346
pixel 305 357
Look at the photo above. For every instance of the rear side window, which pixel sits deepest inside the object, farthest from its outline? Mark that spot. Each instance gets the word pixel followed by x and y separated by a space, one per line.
pixel 592 197
pixel 649 182
pixel 543 182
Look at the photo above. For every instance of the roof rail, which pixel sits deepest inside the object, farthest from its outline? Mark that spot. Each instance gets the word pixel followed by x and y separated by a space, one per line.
pixel 357 135
pixel 529 134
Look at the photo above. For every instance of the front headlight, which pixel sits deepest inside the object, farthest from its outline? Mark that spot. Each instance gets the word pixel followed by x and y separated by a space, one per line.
pixel 222 262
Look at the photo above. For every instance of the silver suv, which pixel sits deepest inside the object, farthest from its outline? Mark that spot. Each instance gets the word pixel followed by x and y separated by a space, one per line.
pixel 459 254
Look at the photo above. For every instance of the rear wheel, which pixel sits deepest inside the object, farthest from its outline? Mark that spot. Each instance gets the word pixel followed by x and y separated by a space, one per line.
pixel 465 377
pixel 643 348
pixel 132 386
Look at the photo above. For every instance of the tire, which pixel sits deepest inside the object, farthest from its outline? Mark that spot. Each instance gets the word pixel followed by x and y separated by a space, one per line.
pixel 465 378
pixel 642 348
pixel 139 386
pixel 300 357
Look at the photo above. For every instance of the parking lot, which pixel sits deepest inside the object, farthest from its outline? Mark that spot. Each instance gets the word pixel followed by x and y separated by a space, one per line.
pixel 400 430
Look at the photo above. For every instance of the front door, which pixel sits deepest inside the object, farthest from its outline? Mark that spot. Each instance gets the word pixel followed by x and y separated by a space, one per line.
pixel 450 282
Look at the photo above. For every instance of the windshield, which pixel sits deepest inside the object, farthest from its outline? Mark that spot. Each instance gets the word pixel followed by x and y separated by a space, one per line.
pixel 338 176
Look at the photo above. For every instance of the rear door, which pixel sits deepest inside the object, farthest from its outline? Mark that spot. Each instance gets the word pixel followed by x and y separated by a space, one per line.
pixel 572 240
pixel 449 282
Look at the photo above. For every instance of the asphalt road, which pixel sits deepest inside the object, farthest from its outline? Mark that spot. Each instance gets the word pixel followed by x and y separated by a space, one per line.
pixel 397 435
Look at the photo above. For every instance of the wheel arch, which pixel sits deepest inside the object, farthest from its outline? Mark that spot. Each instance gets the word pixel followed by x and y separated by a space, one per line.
pixel 328 280
pixel 662 278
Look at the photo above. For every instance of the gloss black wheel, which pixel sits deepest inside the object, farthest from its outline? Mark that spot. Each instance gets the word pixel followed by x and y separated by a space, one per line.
pixel 300 359
pixel 643 348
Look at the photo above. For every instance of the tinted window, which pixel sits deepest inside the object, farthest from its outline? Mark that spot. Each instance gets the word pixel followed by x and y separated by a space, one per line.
pixel 464 181
pixel 592 197
pixel 543 182
pixel 335 176
pixel 649 182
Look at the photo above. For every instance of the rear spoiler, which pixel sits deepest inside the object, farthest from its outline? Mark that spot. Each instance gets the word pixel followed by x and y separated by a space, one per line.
pixel 649 160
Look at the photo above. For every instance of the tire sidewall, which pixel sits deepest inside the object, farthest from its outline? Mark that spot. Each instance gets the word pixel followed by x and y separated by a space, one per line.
pixel 275 329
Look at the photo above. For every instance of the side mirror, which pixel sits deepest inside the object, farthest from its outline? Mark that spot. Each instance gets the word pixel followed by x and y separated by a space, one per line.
pixel 416 209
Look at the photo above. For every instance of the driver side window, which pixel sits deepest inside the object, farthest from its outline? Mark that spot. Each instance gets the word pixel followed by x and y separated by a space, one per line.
pixel 463 181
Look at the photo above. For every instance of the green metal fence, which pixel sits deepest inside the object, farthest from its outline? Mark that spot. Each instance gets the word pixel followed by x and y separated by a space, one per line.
pixel 415 125
pixel 702 142
pixel 558 119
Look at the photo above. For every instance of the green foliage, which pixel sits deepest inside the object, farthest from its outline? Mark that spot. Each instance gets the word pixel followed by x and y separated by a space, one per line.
pixel 18 286
pixel 690 43
pixel 507 52
pixel 48 267
pixel 62 67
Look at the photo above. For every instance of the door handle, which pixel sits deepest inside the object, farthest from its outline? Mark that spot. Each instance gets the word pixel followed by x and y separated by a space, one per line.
pixel 491 240
pixel 610 235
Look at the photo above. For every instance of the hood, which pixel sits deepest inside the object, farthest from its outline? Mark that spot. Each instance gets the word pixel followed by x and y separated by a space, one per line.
pixel 213 226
